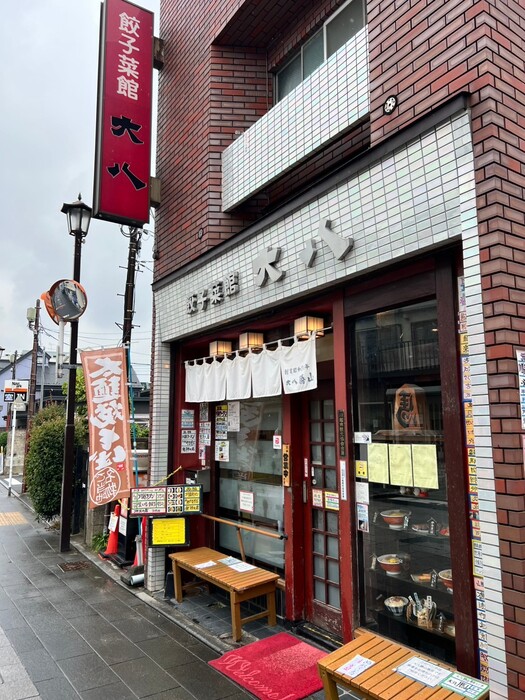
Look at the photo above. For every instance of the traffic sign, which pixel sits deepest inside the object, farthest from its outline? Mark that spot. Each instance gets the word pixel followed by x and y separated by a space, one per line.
pixel 9 396
pixel 19 405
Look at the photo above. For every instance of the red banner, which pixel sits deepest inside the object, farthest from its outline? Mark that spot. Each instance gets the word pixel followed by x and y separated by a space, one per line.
pixel 123 144
pixel 110 472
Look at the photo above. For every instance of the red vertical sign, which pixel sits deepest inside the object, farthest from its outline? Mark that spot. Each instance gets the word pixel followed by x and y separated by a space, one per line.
pixel 123 144
pixel 110 473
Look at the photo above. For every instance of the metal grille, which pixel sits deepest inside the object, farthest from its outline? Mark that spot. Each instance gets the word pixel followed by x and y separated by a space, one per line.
pixel 74 566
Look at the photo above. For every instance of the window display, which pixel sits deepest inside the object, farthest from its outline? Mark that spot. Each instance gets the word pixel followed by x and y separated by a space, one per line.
pixel 406 575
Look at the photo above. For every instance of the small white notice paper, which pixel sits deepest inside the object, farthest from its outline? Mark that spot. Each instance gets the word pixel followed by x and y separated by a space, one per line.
pixel 242 566
pixel 355 666
pixel 424 671
pixel 229 561
pixel 205 564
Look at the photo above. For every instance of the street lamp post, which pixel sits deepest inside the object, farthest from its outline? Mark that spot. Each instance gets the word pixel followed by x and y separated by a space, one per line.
pixel 78 219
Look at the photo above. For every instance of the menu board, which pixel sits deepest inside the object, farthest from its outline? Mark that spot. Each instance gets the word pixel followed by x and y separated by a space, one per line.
pixel 181 499
pixel 168 532
pixel 184 499
pixel 149 500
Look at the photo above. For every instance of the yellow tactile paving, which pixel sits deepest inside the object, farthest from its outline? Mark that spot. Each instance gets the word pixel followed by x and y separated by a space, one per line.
pixel 12 519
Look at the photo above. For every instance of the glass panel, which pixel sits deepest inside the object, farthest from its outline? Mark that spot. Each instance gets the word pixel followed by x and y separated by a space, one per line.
pixel 397 398
pixel 289 77
pixel 315 432
pixel 315 410
pixel 343 26
pixel 329 432
pixel 330 479
pixel 319 566
pixel 328 409
pixel 253 465
pixel 332 522
pixel 334 598
pixel 318 540
pixel 333 570
pixel 319 591
pixel 318 519
pixel 318 476
pixel 333 547
pixel 329 455
pixel 317 454
pixel 313 54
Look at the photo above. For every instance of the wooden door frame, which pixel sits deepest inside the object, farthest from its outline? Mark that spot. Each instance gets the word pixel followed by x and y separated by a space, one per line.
pixel 434 278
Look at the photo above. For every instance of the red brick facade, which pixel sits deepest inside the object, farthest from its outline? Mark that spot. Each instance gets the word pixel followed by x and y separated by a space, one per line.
pixel 425 52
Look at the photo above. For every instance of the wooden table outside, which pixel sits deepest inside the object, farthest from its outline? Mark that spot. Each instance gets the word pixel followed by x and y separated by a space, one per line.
pixel 241 585
pixel 381 681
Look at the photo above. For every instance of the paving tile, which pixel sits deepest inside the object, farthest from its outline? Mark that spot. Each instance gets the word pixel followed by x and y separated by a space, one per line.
pixel 166 652
pixel 115 691
pixel 16 684
pixel 145 677
pixel 39 665
pixel 73 608
pixel 114 609
pixel 203 681
pixel 87 671
pixel 23 639
pixel 56 689
pixel 10 617
pixel 138 629
pixel 63 645
pixel 31 606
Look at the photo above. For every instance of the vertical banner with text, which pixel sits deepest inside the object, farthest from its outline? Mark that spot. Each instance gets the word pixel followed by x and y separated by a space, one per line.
pixel 123 142
pixel 110 472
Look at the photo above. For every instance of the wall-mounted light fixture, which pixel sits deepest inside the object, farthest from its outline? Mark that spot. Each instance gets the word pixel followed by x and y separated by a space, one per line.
pixel 250 340
pixel 220 347
pixel 302 327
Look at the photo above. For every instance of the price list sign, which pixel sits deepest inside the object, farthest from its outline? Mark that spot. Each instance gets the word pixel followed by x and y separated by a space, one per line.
pixel 149 500
pixel 166 500
pixel 184 500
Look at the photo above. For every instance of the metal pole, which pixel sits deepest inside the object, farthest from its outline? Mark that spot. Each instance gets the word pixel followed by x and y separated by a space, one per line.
pixel 13 428
pixel 42 378
pixel 69 436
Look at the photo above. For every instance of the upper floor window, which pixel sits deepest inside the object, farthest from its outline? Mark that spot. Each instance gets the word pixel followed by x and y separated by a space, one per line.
pixel 336 31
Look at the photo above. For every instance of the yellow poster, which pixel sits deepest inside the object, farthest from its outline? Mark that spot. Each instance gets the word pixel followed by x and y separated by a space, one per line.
pixel 361 469
pixel 378 462
pixel 168 531
pixel 400 457
pixel 424 460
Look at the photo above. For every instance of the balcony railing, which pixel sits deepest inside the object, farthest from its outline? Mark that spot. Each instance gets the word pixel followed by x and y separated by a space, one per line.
pixel 329 101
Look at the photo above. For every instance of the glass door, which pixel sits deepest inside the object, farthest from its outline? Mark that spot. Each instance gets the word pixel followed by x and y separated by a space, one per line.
pixel 406 576
pixel 323 600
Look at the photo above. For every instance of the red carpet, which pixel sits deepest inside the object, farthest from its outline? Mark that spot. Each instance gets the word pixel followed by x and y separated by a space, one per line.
pixel 278 668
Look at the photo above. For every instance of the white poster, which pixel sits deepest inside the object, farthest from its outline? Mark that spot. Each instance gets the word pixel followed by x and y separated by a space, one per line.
pixel 187 418
pixel 189 441
pixel 246 501
pixel 234 416
pixel 520 356
pixel 205 433
pixel 222 450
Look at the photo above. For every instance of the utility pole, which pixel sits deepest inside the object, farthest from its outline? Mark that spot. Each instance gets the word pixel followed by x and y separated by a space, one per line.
pixel 34 359
pixel 13 368
pixel 33 317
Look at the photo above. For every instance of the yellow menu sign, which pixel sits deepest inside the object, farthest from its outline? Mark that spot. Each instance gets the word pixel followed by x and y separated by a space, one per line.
pixel 165 532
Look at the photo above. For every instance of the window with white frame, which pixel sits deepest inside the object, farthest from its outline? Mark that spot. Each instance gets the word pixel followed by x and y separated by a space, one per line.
pixel 335 32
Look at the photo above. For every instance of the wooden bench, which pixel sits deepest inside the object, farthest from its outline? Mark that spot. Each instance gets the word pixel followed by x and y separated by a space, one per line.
pixel 241 585
pixel 382 681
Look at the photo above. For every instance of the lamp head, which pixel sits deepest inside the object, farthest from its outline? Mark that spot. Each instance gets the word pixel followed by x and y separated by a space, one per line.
pixel 78 217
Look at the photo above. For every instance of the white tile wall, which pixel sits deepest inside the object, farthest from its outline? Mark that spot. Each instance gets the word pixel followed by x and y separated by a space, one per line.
pixel 418 197
pixel 323 105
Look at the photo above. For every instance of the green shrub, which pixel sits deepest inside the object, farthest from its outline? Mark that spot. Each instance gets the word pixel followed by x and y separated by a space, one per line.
pixel 3 439
pixel 100 541
pixel 45 458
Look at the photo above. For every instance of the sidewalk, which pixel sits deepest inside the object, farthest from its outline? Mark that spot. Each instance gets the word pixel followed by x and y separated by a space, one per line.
pixel 69 628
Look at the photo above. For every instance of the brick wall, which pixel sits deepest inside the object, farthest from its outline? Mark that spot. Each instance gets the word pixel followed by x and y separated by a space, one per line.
pixel 424 52
pixel 208 93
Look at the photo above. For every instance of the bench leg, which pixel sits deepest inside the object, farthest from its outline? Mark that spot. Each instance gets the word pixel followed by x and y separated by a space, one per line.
pixel 177 582
pixel 329 685
pixel 270 605
pixel 235 606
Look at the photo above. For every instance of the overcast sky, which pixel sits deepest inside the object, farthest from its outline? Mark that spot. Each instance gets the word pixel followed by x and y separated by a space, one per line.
pixel 48 59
